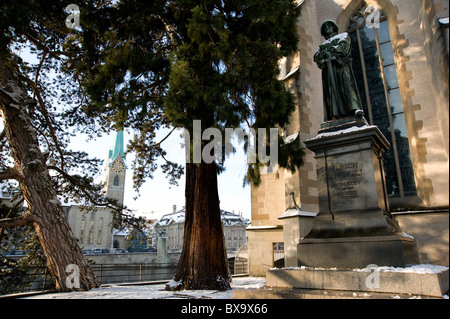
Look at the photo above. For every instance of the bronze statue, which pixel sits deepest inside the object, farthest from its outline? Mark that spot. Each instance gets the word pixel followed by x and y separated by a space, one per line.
pixel 340 92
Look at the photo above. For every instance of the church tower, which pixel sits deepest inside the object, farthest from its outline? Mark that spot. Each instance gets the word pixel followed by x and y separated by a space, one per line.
pixel 115 170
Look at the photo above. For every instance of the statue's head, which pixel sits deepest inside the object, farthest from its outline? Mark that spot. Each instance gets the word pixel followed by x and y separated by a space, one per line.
pixel 329 29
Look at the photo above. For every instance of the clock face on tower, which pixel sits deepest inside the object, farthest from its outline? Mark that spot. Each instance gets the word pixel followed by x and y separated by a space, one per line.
pixel 118 166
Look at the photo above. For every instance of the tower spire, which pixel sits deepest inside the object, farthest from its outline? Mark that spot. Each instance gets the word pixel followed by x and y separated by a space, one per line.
pixel 118 146
pixel 116 169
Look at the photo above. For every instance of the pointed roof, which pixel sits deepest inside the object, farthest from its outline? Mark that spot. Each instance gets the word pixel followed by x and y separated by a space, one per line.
pixel 117 147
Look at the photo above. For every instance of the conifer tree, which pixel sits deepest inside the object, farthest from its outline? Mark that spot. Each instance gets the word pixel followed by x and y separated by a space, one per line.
pixel 169 63
pixel 35 136
pixel 224 73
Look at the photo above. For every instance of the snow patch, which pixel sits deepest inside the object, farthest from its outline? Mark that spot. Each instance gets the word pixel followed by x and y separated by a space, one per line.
pixel 415 269
pixel 173 283
pixel 304 267
pixel 155 291
pixel 348 130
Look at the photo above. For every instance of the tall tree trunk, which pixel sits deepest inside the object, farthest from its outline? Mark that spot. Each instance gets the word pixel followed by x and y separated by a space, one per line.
pixel 203 262
pixel 64 258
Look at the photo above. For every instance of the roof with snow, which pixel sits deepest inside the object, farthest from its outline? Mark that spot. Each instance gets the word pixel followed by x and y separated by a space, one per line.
pixel 228 219
pixel 7 191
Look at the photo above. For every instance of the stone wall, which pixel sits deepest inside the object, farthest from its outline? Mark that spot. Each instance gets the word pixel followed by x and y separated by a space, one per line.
pixel 421 59
pixel 431 232
pixel 131 258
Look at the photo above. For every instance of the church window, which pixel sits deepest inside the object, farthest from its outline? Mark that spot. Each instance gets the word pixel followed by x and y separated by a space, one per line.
pixel 91 231
pixel 99 234
pixel 83 225
pixel 374 65
pixel 116 180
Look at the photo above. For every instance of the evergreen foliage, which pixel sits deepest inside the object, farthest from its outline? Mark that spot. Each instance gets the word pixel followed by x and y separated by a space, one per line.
pixel 150 66
pixel 165 64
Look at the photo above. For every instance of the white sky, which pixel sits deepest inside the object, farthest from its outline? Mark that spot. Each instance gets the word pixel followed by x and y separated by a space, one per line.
pixel 157 194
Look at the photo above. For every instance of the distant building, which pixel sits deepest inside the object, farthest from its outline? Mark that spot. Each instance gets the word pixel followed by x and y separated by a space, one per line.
pixel 8 200
pixel 132 241
pixel 7 194
pixel 171 226
pixel 93 227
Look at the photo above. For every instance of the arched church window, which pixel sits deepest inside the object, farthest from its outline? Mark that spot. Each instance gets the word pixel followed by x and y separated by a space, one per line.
pixel 374 66
pixel 99 233
pixel 83 225
pixel 116 180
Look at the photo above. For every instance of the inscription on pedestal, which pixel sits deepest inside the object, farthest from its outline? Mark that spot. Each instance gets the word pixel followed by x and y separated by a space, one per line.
pixel 352 229
pixel 345 180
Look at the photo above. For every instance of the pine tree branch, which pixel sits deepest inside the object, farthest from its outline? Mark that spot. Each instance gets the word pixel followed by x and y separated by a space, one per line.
pixel 38 71
pixel 11 210
pixel 16 221
pixel 46 116
pixel 166 137
pixel 44 48
pixel 3 139
pixel 75 182
pixel 10 173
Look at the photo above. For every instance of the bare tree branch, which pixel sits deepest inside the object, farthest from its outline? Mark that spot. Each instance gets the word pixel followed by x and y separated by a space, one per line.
pixel 41 63
pixel 41 46
pixel 166 137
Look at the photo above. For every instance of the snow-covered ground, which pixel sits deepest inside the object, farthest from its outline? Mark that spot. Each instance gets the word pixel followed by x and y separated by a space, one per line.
pixel 155 291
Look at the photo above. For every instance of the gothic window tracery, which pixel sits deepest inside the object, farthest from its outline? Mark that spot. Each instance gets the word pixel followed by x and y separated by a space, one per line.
pixel 374 64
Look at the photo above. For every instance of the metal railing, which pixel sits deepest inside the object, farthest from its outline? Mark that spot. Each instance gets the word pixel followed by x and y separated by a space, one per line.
pixel 39 278
pixel 278 255
pixel 133 273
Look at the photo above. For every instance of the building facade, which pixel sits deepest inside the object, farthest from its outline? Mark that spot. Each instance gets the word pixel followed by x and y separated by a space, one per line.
pixel 400 59
pixel 171 226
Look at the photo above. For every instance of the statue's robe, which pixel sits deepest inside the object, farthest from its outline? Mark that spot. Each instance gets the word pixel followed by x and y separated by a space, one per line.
pixel 340 92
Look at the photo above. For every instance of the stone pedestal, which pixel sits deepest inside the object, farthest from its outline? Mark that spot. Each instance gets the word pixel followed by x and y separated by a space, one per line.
pixel 422 280
pixel 353 228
